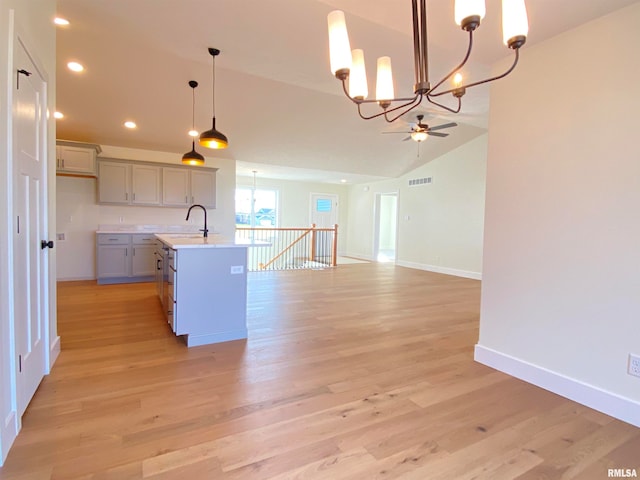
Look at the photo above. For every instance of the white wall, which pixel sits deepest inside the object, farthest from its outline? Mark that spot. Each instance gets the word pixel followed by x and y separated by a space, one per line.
pixel 294 200
pixel 561 278
pixel 33 23
pixel 440 226
pixel 79 215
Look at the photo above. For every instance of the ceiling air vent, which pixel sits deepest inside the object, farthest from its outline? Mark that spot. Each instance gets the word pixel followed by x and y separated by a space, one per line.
pixel 416 182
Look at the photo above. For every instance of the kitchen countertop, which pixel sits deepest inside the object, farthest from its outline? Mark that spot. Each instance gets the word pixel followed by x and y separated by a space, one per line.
pixel 184 240
pixel 171 229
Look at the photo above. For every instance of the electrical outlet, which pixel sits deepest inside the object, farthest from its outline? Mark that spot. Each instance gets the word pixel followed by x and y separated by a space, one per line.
pixel 634 365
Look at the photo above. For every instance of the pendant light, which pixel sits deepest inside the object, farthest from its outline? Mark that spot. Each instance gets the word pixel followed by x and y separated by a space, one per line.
pixel 213 138
pixel 193 157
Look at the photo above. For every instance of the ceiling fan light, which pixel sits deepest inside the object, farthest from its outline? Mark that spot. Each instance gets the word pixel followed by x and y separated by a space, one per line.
pixel 469 13
pixel 213 138
pixel 339 47
pixel 419 136
pixel 193 157
pixel 384 81
pixel 358 77
pixel 515 24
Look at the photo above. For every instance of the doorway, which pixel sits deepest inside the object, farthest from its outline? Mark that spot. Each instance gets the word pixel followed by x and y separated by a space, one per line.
pixel 386 227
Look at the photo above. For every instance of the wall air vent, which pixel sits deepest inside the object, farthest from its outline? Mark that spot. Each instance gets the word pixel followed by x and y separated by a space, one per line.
pixel 416 182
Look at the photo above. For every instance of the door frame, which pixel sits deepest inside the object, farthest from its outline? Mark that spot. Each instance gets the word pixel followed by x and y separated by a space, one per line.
pixel 336 199
pixel 376 223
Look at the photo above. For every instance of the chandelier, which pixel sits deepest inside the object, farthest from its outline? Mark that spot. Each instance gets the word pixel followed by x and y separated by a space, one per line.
pixel 348 66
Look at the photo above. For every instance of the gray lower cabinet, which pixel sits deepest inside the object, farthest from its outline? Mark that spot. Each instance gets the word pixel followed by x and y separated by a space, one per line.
pixel 125 258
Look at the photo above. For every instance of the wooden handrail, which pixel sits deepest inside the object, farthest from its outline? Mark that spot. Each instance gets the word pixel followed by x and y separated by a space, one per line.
pixel 266 265
pixel 288 248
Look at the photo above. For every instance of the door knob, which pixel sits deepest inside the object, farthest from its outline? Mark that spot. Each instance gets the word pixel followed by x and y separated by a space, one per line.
pixel 46 244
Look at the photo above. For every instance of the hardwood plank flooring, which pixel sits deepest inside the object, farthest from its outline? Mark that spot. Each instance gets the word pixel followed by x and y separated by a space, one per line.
pixel 360 372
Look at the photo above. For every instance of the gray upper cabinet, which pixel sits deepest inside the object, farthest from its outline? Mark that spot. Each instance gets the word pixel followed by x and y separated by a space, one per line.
pixel 148 184
pixel 114 182
pixel 175 187
pixel 145 185
pixel 203 188
pixel 76 158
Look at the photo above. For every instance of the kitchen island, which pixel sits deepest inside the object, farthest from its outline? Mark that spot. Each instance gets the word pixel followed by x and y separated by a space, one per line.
pixel 202 284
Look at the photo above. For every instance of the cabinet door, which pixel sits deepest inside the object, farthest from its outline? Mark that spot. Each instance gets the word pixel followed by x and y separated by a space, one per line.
pixel 175 190
pixel 146 185
pixel 203 188
pixel 76 160
pixel 113 261
pixel 113 182
pixel 143 260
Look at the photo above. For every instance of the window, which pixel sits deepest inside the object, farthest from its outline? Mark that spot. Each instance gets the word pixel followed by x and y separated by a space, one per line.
pixel 265 207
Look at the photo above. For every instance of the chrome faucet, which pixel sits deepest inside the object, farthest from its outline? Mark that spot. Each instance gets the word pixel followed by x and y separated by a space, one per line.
pixel 205 230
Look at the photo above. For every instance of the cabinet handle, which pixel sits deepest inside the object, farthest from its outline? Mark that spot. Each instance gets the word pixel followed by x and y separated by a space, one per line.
pixel 186 200
pixel 126 252
pixel 113 239
pixel 134 197
pixel 63 163
pixel 126 196
pixel 192 201
pixel 134 251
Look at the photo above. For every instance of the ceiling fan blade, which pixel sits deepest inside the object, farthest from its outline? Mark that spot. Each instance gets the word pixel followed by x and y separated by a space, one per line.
pixel 405 139
pixel 437 134
pixel 396 132
pixel 445 125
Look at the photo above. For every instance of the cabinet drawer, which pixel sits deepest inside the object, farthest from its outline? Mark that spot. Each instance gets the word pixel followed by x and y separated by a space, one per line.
pixel 143 239
pixel 113 239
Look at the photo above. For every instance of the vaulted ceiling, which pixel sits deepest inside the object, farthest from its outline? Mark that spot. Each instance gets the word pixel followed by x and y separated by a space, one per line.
pixel 282 110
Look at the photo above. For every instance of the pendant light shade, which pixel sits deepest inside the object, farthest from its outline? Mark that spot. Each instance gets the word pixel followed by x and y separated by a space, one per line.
pixel 193 157
pixel 213 138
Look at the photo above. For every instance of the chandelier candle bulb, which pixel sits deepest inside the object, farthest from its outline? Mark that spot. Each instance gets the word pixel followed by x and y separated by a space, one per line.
pixel 339 47
pixel 515 24
pixel 384 82
pixel 469 13
pixel 358 76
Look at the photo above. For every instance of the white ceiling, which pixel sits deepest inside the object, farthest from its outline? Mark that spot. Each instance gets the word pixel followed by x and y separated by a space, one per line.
pixel 282 110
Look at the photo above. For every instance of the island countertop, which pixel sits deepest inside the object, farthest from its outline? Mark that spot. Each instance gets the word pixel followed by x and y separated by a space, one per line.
pixel 181 240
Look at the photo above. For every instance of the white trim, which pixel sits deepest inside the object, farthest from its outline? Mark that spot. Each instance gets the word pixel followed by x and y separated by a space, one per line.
pixel 76 279
pixel 54 351
pixel 437 269
pixel 612 404
pixel 357 256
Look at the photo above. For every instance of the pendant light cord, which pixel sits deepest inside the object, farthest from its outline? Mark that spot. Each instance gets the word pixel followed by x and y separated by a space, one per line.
pixel 193 108
pixel 213 86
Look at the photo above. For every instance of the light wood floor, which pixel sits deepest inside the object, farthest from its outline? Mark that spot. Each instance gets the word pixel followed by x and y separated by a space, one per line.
pixel 361 372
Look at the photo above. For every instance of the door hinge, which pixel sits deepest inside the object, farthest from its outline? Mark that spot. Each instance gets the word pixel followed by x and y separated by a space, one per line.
pixel 18 224
pixel 20 363
pixel 21 71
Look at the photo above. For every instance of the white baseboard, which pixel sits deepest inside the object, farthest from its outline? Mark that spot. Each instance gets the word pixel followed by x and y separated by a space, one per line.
pixel 9 432
pixel 54 351
pixel 367 258
pixel 439 269
pixel 617 406
pixel 75 279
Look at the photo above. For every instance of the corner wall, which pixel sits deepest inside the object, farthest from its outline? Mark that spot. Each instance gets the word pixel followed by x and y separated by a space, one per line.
pixel 561 279
pixel 440 225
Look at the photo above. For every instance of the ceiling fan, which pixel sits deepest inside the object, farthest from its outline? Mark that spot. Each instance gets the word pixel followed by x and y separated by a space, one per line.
pixel 420 131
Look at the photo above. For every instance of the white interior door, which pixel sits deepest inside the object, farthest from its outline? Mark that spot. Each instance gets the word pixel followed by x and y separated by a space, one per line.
pixel 29 225
pixel 324 214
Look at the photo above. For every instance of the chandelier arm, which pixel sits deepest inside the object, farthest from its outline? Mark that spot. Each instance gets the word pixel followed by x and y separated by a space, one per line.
pixel 458 67
pixel 384 113
pixel 452 110
pixel 474 84
pixel 404 112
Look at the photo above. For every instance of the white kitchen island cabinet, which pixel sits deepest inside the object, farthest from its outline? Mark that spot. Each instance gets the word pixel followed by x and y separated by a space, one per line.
pixel 205 288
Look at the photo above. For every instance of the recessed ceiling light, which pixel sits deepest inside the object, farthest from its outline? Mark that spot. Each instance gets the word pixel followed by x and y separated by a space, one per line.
pixel 193 133
pixel 130 124
pixel 58 115
pixel 344 180
pixel 61 21
pixel 75 66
